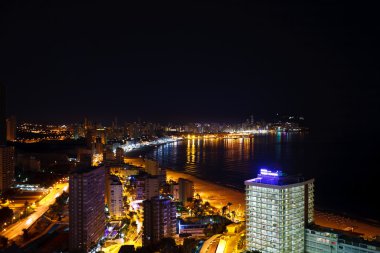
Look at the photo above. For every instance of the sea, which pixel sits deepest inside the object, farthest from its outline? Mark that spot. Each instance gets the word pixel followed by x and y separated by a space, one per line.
pixel 346 171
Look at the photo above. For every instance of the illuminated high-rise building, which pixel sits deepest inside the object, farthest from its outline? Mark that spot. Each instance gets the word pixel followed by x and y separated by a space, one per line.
pixel 159 220
pixel 86 208
pixel 277 209
pixel 115 196
pixel 147 187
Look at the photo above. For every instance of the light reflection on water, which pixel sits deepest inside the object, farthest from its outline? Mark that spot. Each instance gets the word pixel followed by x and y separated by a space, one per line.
pixel 334 164
pixel 227 161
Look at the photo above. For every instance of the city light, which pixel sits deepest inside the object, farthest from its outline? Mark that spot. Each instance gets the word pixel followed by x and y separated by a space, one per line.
pixel 266 172
pixel 29 221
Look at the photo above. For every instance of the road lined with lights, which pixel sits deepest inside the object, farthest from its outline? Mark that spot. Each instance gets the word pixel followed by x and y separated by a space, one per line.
pixel 211 244
pixel 16 229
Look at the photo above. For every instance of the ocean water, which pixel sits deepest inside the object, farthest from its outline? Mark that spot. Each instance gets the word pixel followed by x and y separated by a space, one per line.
pixel 346 171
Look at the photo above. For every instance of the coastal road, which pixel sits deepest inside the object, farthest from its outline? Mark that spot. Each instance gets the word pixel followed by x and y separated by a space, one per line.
pixel 211 244
pixel 16 229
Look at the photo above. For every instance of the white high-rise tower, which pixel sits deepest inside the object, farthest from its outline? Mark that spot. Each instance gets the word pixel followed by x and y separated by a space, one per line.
pixel 278 208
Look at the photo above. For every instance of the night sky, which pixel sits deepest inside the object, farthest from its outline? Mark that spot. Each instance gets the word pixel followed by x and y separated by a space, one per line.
pixel 191 61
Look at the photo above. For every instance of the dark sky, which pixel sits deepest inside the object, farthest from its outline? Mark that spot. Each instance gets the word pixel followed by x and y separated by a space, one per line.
pixel 191 60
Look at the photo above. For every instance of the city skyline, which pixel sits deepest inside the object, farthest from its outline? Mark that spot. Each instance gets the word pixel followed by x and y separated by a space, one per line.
pixel 189 127
pixel 192 61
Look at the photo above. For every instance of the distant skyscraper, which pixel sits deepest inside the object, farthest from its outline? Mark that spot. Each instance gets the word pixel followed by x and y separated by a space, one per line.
pixel 86 208
pixel 11 128
pixel 159 220
pixel 3 126
pixel 278 207
pixel 115 196
pixel 7 167
pixel 186 190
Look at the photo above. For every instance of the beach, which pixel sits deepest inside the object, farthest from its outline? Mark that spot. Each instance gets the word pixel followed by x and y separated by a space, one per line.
pixel 219 195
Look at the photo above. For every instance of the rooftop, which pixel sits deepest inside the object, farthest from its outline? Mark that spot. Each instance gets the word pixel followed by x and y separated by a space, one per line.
pixel 276 178
pixel 114 180
pixel 85 169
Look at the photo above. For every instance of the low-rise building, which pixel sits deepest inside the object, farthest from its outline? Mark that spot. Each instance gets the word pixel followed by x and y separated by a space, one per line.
pixel 321 239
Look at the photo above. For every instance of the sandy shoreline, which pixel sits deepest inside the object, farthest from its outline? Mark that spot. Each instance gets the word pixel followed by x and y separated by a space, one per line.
pixel 219 195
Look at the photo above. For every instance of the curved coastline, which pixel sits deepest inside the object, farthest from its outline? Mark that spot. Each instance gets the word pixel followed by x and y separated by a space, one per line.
pixel 219 195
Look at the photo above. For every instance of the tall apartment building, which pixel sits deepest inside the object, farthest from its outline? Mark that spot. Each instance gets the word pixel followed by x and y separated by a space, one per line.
pixel 115 196
pixel 147 187
pixel 185 190
pixel 7 167
pixel 159 220
pixel 86 208
pixel 277 210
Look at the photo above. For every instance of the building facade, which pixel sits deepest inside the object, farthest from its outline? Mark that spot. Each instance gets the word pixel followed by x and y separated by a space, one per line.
pixel 320 239
pixel 147 187
pixel 11 128
pixel 7 167
pixel 115 197
pixel 277 209
pixel 86 208
pixel 185 190
pixel 159 220
pixel 174 191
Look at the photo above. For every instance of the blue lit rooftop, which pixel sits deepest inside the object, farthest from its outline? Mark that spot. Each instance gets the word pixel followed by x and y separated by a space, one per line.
pixel 275 178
